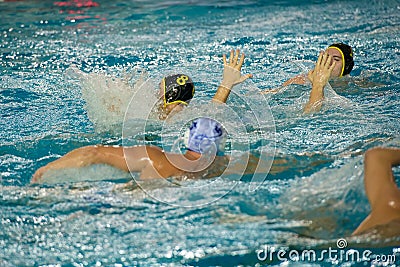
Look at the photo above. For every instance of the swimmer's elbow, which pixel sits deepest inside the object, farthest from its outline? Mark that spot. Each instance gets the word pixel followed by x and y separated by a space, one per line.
pixel 376 155
pixel 312 107
pixel 371 155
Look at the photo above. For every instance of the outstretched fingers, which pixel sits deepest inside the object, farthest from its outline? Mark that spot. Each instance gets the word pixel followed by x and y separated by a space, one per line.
pixel 325 59
pixel 328 61
pixel 231 57
pixel 325 62
pixel 241 60
pixel 236 55
pixel 332 66
pixel 234 60
pixel 321 54
pixel 232 69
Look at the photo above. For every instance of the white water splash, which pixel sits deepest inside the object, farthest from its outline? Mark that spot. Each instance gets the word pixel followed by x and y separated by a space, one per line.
pixel 107 97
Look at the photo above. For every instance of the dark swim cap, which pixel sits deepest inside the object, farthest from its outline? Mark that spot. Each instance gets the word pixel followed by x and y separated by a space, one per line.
pixel 347 57
pixel 178 88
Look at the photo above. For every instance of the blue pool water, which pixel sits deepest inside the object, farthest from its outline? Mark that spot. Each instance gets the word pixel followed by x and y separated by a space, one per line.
pixel 60 60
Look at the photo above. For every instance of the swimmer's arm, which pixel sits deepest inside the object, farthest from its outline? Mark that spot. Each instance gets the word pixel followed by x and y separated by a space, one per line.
pixel 85 156
pixel 221 95
pixel 89 155
pixel 231 76
pixel 156 164
pixel 319 77
pixel 299 79
pixel 378 175
pixel 316 97
pixel 379 182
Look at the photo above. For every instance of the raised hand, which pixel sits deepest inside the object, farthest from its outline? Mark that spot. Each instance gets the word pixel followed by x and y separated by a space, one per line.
pixel 231 76
pixel 319 77
pixel 322 71
pixel 232 68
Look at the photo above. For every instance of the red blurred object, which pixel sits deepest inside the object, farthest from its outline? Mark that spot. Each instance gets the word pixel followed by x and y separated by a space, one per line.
pixel 77 3
pixel 77 7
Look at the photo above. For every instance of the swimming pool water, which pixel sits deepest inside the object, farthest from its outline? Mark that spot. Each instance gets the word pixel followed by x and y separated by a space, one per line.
pixel 311 199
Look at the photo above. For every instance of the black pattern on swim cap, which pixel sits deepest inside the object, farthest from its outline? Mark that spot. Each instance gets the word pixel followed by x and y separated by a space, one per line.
pixel 178 88
pixel 348 57
pixel 206 134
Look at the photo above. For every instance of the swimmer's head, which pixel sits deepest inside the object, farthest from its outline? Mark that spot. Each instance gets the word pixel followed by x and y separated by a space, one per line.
pixel 177 89
pixel 206 135
pixel 347 57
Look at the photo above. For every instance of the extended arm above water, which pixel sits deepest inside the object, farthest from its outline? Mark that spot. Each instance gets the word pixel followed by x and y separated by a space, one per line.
pixel 231 76
pixel 319 77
